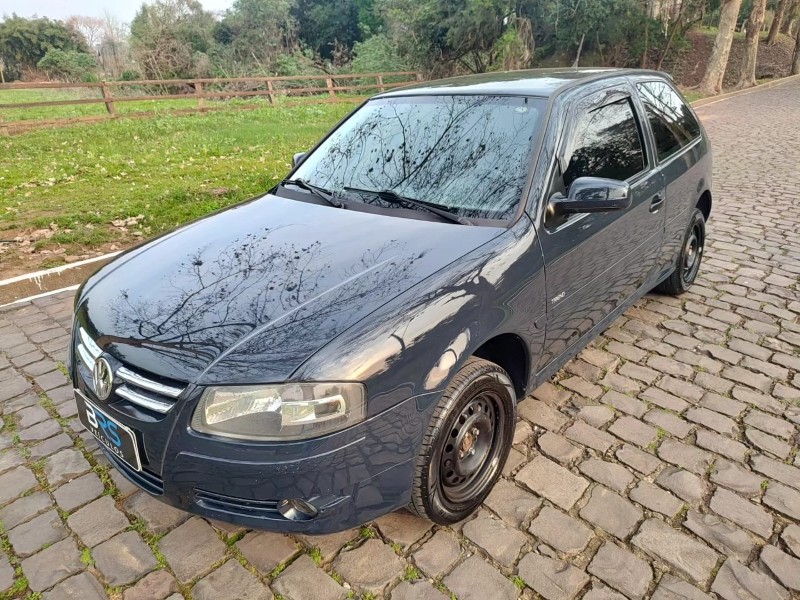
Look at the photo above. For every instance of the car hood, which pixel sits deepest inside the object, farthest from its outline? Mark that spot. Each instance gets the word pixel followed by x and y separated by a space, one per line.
pixel 246 295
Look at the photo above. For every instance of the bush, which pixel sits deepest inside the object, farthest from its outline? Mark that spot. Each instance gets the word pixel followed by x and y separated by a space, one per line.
pixel 378 54
pixel 69 65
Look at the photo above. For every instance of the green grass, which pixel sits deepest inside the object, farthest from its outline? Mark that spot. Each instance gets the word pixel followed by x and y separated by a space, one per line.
pixel 169 168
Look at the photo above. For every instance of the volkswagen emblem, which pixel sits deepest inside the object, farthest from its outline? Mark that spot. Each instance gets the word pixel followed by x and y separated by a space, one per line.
pixel 102 378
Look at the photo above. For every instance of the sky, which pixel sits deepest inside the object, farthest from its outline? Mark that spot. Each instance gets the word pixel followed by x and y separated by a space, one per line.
pixel 124 10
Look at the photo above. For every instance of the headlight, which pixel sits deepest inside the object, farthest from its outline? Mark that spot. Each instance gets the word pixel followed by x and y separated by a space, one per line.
pixel 293 411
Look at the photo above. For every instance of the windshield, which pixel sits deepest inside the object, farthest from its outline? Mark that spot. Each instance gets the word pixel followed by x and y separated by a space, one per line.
pixel 468 154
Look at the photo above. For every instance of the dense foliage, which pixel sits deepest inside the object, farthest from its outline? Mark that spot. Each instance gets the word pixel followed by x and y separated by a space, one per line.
pixel 24 42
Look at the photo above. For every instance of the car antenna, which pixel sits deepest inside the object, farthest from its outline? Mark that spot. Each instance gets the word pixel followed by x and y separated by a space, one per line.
pixel 578 56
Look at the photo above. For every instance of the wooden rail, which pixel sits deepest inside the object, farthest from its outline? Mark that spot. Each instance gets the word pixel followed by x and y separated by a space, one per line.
pixel 200 89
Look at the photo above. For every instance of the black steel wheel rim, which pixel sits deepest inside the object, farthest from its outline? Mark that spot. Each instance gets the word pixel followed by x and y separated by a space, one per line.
pixel 693 253
pixel 471 451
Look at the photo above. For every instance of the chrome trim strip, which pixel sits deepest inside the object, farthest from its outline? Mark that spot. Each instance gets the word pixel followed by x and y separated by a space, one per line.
pixel 147 384
pixel 85 357
pixel 91 347
pixel 143 401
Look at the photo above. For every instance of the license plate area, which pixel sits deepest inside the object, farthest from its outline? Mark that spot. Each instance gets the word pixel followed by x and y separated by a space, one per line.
pixel 117 438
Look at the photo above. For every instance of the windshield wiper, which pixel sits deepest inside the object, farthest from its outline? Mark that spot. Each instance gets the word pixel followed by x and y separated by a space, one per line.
pixel 395 198
pixel 314 189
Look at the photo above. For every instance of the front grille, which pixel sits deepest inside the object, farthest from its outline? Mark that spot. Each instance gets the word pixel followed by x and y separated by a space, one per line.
pixel 237 506
pixel 146 480
pixel 135 388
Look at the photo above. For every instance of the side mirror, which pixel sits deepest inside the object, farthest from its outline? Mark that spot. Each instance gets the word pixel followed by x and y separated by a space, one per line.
pixel 590 195
pixel 298 158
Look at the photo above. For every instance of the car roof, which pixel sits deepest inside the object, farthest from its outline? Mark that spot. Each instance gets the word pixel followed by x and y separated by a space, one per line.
pixel 533 82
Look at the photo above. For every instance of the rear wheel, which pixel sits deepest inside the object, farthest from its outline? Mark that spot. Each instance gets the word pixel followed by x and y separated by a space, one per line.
pixel 466 444
pixel 689 259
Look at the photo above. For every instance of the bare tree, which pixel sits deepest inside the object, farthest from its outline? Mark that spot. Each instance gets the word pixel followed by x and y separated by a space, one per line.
pixel 775 29
pixel 715 72
pixel 91 28
pixel 790 17
pixel 754 25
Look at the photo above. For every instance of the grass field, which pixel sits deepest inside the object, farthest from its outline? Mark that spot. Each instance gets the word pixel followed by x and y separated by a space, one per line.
pixel 76 181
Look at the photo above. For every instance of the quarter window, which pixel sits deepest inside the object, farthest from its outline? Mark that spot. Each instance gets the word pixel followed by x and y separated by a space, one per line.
pixel 671 120
pixel 607 144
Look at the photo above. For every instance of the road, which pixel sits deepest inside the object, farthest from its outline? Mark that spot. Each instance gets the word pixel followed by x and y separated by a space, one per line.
pixel 662 462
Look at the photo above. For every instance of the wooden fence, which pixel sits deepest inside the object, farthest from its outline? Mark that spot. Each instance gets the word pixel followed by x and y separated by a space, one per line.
pixel 317 88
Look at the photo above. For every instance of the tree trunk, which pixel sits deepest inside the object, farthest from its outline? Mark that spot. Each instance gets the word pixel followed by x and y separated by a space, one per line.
pixel 789 18
pixel 796 59
pixel 775 29
pixel 754 25
pixel 715 72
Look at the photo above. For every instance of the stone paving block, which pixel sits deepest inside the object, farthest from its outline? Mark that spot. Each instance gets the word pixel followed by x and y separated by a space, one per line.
pixel 735 477
pixel 763 401
pixel 624 403
pixel 159 517
pixel 402 527
pixel 726 538
pixel 611 512
pixel 231 581
pixel 15 482
pixel 123 485
pixel 420 590
pixel 721 445
pixel 723 405
pixel 785 568
pixel 582 387
pixel 664 399
pixel 768 443
pixel 769 424
pixel 522 432
pixel 669 422
pixel 438 554
pixel 500 541
pixel 553 482
pixel 683 455
pixel 685 485
pixel 595 415
pixel 748 378
pixel 44 530
pixel 513 462
pixel 552 579
pixel 64 466
pixel 192 548
pixel 541 414
pixel 682 389
pixel 672 588
pixel 82 586
pixel 329 545
pixel 622 570
pixel 155 586
pixel 31 416
pixel 559 448
pixel 9 459
pixel 601 592
pixel 78 492
pixel 40 431
pixel 654 498
pixel 736 582
pixel 53 564
pixel 302 579
pixel 6 573
pixel 609 474
pixel 24 509
pixel 50 446
pixel 592 437
pixel 687 556
pixel 783 499
pixel 637 459
pixel 98 521
pixel 266 550
pixel 791 537
pixel 561 531
pixel 742 512
pixel 125 558
pixel 620 383
pixel 474 579
pixel 511 503
pixel 774 469
pixel 634 431
pixel 713 420
pixel 370 567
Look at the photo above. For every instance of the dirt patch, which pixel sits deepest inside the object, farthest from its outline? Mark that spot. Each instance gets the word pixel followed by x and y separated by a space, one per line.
pixel 688 66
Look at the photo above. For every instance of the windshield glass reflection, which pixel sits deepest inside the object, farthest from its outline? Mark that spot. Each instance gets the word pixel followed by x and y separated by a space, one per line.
pixel 469 154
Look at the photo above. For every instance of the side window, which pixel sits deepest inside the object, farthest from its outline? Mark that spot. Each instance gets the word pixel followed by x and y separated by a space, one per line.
pixel 608 143
pixel 673 124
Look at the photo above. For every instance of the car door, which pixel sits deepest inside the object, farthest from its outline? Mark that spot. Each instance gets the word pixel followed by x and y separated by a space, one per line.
pixel 594 262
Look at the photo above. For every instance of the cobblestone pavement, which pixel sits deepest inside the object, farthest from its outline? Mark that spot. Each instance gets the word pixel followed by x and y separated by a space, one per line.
pixel 662 463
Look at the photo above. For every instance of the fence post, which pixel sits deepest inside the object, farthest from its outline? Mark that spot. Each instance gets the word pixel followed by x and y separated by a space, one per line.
pixel 198 91
pixel 381 87
pixel 329 83
pixel 109 99
pixel 270 91
pixel 420 77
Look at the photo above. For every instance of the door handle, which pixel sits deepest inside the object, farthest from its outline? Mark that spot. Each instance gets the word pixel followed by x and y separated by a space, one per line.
pixel 657 203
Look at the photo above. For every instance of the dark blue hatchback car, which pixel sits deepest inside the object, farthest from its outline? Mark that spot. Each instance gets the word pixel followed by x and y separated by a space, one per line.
pixel 356 340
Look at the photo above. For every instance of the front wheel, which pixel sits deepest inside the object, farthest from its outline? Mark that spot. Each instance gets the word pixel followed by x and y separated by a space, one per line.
pixel 466 444
pixel 691 255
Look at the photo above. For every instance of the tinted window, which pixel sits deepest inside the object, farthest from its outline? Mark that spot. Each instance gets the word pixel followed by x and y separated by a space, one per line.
pixel 470 154
pixel 607 143
pixel 673 124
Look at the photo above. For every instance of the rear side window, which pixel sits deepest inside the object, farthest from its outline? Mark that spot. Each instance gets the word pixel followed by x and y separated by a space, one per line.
pixel 607 143
pixel 673 124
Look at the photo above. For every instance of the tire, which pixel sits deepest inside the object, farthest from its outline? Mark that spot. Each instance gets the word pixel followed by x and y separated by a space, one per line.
pixel 691 255
pixel 451 480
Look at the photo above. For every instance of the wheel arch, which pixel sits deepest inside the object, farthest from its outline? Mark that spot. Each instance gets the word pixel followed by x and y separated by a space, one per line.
pixel 509 351
pixel 704 204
